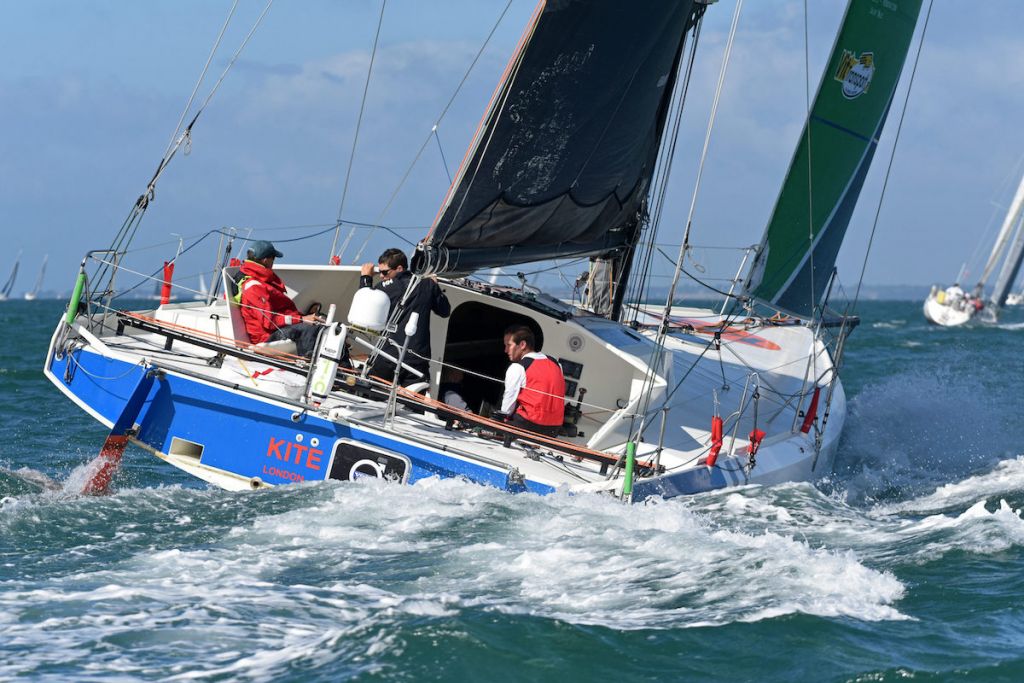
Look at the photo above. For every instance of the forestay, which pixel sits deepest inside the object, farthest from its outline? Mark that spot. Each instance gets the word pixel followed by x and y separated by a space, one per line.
pixel 563 159
pixel 799 249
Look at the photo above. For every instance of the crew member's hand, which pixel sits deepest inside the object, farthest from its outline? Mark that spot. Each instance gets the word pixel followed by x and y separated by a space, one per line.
pixel 366 269
pixel 311 318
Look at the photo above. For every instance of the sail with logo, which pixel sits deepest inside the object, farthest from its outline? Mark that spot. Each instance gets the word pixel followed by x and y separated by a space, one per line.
pixel 798 252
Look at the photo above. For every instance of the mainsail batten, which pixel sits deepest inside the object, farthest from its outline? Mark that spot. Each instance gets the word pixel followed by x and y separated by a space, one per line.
pixel 563 162
pixel 805 232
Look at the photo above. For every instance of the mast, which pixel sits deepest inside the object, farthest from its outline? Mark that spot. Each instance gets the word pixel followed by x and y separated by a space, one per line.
pixel 39 279
pixel 9 285
pixel 1009 271
pixel 1012 219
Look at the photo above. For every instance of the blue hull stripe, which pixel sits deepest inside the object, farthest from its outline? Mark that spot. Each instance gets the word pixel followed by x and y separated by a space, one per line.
pixel 244 435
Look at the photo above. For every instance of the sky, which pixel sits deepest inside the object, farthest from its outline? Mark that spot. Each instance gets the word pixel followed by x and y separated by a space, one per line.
pixel 90 94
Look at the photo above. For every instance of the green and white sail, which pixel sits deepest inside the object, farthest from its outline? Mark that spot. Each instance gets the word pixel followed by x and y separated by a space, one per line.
pixel 839 139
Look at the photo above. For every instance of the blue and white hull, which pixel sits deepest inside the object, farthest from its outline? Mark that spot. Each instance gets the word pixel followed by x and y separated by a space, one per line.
pixel 240 431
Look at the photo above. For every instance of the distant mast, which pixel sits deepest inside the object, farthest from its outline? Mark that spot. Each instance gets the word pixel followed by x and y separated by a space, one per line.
pixel 1012 219
pixel 1010 270
pixel 5 293
pixel 31 296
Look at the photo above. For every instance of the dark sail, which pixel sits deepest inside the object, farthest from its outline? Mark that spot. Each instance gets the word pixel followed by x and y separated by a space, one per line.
pixel 563 159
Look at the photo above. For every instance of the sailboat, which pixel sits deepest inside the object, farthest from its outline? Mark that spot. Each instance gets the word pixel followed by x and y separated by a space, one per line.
pixel 203 291
pixel 5 291
pixel 658 402
pixel 31 295
pixel 952 306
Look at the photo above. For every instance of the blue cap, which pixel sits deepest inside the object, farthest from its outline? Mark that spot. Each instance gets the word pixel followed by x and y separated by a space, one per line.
pixel 262 249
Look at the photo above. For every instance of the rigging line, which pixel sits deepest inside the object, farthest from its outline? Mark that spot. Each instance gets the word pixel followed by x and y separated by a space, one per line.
pixel 892 156
pixel 997 209
pixel 664 326
pixel 807 129
pixel 641 289
pixel 231 62
pixel 643 284
pixel 131 225
pixel 727 295
pixel 444 161
pixel 359 123
pixel 202 77
pixel 186 135
pixel 437 122
pixel 500 99
pixel 711 122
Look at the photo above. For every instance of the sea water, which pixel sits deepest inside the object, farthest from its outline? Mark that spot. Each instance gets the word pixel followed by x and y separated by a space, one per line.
pixel 903 563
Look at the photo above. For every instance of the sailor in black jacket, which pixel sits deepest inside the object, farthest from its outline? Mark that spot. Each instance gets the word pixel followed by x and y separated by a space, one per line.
pixel 427 298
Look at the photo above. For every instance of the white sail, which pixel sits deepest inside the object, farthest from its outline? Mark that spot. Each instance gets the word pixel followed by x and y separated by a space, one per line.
pixel 1008 273
pixel 34 293
pixel 1003 238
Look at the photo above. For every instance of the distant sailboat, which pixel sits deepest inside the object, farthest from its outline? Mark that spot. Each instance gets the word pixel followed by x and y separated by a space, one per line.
pixel 1007 274
pixel 952 306
pixel 203 291
pixel 31 296
pixel 5 293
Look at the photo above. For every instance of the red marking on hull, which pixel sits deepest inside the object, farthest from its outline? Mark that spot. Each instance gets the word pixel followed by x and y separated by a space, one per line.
pixel 728 333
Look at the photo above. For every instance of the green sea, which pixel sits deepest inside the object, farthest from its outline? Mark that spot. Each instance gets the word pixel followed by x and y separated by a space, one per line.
pixel 904 563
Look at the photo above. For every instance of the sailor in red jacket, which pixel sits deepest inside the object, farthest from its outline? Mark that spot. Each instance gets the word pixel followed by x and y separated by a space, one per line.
pixel 534 385
pixel 268 311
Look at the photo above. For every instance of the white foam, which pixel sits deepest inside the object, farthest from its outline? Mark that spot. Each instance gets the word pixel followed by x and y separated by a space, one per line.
pixel 294 575
pixel 337 568
pixel 1007 477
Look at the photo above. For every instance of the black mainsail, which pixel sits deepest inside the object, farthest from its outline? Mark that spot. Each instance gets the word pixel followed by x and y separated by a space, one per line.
pixel 563 159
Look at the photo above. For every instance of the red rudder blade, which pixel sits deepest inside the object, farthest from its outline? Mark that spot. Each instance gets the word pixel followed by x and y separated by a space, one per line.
pixel 105 465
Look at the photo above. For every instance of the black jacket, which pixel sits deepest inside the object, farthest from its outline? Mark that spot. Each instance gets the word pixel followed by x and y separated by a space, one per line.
pixel 426 299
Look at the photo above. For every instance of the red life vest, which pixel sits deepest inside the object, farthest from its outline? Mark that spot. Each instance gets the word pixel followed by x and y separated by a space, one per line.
pixel 542 400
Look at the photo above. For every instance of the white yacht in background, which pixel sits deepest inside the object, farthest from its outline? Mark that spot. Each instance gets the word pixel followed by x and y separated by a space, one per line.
pixel 952 306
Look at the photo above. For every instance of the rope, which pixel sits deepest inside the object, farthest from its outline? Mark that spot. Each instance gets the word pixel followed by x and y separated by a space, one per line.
pixel 663 330
pixel 437 122
pixel 643 282
pixel 359 123
pixel 132 222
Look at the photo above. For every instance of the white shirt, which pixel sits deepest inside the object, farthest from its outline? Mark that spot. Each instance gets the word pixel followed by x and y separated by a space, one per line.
pixel 515 379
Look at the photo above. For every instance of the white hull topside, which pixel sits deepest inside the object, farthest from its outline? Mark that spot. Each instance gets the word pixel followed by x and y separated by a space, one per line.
pixel 779 363
pixel 945 314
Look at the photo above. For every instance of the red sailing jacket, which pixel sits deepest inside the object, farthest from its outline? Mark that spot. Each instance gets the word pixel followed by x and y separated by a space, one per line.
pixel 265 305
pixel 541 400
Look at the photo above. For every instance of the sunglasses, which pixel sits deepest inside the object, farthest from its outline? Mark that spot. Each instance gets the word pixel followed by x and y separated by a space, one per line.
pixel 384 272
